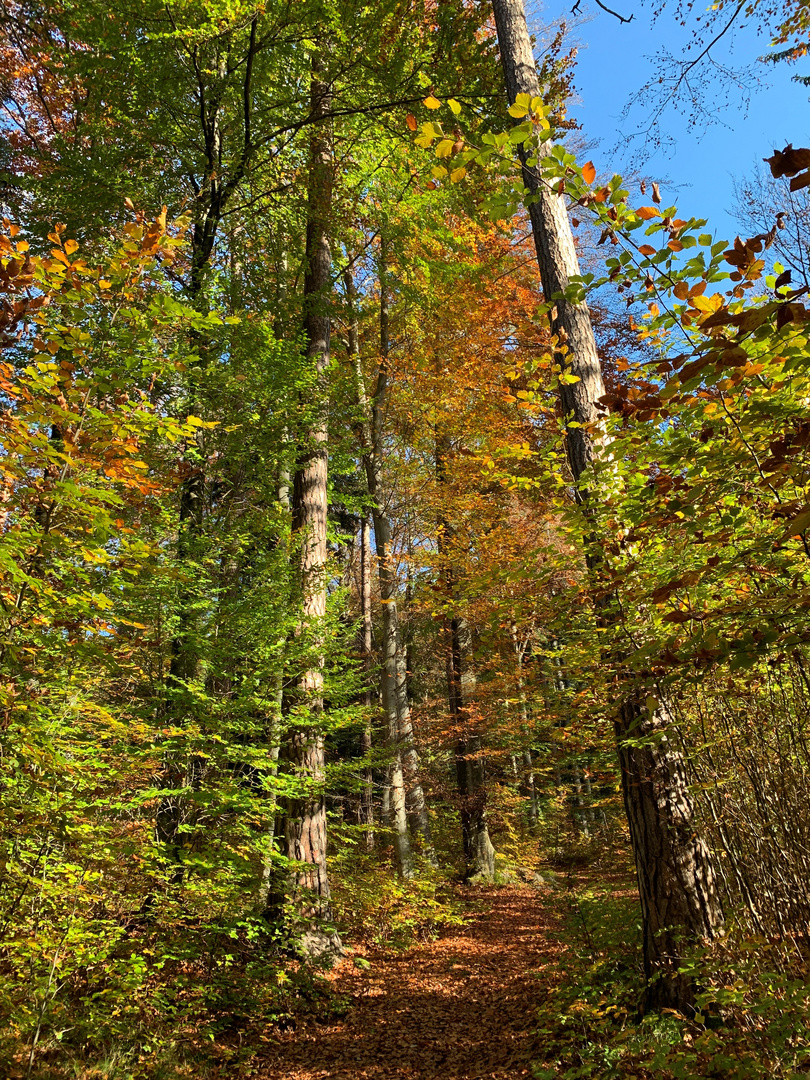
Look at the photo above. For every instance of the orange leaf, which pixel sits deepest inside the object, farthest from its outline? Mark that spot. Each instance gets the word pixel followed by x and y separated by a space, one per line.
pixel 647 249
pixel 647 212
pixel 588 172
pixel 675 245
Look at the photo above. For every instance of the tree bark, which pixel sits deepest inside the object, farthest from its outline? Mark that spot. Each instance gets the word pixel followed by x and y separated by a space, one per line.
pixel 479 854
pixel 366 804
pixel 393 671
pixel 674 867
pixel 303 839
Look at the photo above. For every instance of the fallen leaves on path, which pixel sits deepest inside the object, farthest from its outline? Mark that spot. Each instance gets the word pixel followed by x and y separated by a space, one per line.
pixel 461 1008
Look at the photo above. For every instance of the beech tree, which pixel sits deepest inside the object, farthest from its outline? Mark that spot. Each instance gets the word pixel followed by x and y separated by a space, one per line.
pixel 676 878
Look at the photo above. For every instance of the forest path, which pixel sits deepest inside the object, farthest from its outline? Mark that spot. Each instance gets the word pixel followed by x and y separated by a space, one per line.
pixel 460 1008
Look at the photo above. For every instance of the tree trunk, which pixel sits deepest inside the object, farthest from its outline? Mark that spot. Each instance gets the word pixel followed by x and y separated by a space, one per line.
pixel 393 672
pixel 674 867
pixel 479 854
pixel 530 788
pixel 304 834
pixel 676 880
pixel 366 804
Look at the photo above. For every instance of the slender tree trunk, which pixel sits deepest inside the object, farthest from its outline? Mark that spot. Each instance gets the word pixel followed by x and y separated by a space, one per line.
pixel 528 766
pixel 479 854
pixel 366 808
pixel 393 671
pixel 304 834
pixel 531 790
pixel 674 867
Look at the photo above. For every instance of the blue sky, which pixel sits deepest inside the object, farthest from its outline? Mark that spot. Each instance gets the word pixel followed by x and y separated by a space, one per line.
pixel 696 170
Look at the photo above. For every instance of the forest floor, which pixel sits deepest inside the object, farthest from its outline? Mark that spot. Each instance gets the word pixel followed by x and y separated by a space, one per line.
pixel 459 1008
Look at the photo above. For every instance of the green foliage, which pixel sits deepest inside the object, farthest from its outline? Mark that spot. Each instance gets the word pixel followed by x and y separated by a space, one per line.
pixel 753 1004
pixel 388 913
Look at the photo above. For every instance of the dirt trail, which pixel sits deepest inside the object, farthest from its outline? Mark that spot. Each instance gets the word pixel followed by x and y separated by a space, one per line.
pixel 461 1008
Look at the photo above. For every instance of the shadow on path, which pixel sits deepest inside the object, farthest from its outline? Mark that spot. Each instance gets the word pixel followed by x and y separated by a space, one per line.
pixel 461 1008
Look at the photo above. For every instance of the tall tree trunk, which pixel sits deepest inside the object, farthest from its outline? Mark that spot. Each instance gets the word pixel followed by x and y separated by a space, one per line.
pixel 366 807
pixel 528 784
pixel 393 671
pixel 677 886
pixel 479 854
pixel 304 832
pixel 530 787
pixel 212 194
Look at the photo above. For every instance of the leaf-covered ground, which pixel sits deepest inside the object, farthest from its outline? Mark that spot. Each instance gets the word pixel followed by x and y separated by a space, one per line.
pixel 460 1008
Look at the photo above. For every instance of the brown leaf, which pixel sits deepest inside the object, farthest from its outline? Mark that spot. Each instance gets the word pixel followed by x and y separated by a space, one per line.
pixel 734 357
pixel 790 313
pixel 677 617
pixel 788 162
pixel 656 194
pixel 410 120
pixel 783 279
pixel 799 182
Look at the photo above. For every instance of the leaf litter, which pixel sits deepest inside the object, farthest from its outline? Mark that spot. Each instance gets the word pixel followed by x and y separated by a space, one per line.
pixel 462 1007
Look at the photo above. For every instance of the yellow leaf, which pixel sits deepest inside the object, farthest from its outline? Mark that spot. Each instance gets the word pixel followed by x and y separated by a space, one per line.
pixel 458 174
pixel 71 246
pixel 704 303
pixel 431 102
pixel 518 111
pixel 22 245
pixel 454 106
pixel 439 171
pixel 445 148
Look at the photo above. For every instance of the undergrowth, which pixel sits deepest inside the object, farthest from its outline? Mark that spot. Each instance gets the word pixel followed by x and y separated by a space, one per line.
pixel 753 1018
pixel 374 908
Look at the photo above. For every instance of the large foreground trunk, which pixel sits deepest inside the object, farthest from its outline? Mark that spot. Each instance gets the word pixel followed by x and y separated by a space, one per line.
pixel 679 899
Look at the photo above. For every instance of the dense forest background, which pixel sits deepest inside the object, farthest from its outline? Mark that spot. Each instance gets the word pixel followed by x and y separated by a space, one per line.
pixel 390 499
